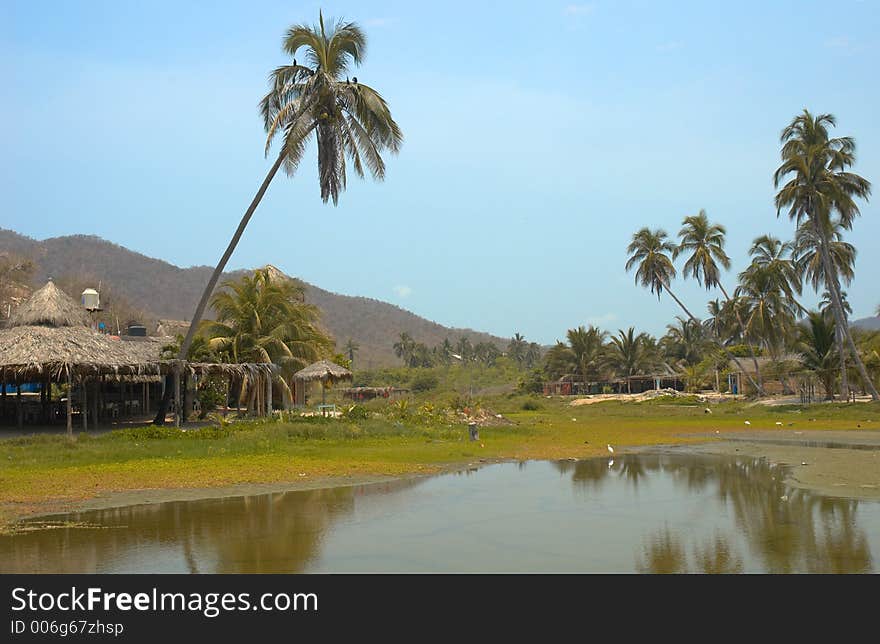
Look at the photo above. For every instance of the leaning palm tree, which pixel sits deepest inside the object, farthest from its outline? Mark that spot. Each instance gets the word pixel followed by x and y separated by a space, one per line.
pixel 349 120
pixel 649 253
pixel 808 259
pixel 818 186
pixel 703 242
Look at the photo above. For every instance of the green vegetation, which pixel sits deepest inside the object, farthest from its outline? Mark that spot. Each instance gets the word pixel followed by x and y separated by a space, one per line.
pixel 417 434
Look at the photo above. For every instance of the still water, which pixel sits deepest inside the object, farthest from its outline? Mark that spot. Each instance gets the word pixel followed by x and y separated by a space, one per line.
pixel 638 513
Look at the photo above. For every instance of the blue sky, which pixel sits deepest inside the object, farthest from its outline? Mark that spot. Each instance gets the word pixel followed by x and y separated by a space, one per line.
pixel 539 137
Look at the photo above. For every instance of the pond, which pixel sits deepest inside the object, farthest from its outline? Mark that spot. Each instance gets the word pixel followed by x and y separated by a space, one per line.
pixel 666 512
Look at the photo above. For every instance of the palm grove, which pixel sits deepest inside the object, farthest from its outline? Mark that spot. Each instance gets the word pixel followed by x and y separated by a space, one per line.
pixel 763 315
pixel 759 327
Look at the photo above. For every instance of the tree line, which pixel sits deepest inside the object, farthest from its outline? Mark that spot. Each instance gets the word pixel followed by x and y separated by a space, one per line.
pixel 418 354
pixel 819 194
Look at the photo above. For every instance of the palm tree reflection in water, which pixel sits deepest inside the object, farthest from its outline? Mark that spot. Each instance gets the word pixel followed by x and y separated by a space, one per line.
pixel 786 530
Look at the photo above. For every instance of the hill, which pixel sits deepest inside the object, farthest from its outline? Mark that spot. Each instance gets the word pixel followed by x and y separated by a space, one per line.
pixel 868 324
pixel 155 289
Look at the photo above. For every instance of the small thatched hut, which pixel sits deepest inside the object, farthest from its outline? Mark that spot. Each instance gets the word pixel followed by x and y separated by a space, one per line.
pixel 327 372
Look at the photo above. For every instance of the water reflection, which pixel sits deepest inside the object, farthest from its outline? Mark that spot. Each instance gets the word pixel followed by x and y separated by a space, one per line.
pixel 279 532
pixel 789 529
pixel 669 513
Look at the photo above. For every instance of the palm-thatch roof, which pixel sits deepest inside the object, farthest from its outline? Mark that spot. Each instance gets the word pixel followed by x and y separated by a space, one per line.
pixel 323 370
pixel 49 306
pixel 50 337
pixel 40 351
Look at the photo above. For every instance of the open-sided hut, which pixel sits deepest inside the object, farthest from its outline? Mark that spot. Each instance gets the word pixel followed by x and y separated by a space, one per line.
pixel 325 371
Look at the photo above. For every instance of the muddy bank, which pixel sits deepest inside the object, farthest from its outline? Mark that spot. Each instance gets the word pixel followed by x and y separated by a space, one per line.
pixel 838 464
pixel 125 498
pixel 832 463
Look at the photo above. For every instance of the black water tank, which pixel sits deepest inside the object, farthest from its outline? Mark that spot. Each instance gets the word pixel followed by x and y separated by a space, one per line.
pixel 137 330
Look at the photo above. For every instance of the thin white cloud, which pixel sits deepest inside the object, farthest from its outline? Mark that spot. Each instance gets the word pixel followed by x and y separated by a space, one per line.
pixel 838 42
pixel 672 45
pixel 579 9
pixel 845 45
pixel 402 291
pixel 599 320
pixel 379 22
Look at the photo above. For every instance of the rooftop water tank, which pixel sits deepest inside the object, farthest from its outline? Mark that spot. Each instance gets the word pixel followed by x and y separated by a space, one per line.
pixel 137 330
pixel 91 301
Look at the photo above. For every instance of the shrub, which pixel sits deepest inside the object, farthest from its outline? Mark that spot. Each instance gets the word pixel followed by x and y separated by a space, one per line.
pixel 532 382
pixel 356 412
pixel 531 405
pixel 423 382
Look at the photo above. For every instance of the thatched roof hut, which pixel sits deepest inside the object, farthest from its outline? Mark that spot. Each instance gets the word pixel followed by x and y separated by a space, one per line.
pixel 49 306
pixel 49 336
pixel 50 340
pixel 323 370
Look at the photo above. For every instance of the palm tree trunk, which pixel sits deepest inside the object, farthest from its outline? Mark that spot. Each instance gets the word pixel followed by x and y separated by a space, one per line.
pixel 200 309
pixel 837 307
pixel 729 355
pixel 742 330
pixel 844 384
pixel 159 419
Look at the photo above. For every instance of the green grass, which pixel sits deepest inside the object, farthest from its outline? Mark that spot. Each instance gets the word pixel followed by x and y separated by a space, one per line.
pixel 422 435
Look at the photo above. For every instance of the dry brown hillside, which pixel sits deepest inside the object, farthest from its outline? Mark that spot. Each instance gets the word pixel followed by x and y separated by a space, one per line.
pixel 158 289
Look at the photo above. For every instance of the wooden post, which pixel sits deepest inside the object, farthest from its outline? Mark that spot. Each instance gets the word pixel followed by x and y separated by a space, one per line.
pixel 177 394
pixel 268 394
pixel 94 400
pixel 18 410
pixel 69 405
pixel 46 412
pixel 258 400
pixel 147 397
pixel 84 403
